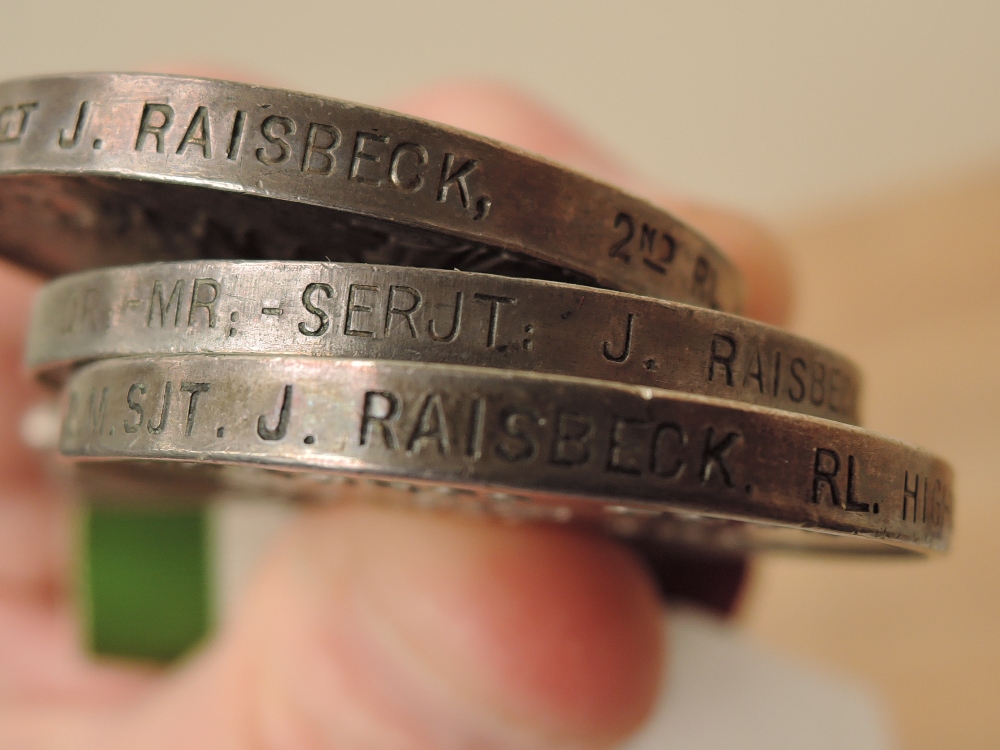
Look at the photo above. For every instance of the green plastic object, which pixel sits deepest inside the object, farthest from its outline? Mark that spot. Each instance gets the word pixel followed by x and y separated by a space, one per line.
pixel 147 588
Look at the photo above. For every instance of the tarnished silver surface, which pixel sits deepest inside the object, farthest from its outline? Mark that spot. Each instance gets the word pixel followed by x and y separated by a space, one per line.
pixel 382 312
pixel 105 169
pixel 571 445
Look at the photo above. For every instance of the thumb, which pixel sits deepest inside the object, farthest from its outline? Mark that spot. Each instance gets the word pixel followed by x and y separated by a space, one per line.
pixel 374 627
pixel 385 628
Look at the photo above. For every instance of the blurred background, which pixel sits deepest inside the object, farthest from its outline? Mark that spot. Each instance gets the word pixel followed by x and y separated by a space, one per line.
pixel 867 133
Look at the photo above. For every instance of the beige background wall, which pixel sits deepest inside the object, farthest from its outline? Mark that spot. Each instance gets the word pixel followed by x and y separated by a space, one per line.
pixel 922 317
pixel 778 106
pixel 867 132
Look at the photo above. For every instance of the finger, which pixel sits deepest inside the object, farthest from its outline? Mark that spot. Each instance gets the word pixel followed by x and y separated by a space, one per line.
pixel 32 528
pixel 508 115
pixel 41 661
pixel 381 628
pixel 40 657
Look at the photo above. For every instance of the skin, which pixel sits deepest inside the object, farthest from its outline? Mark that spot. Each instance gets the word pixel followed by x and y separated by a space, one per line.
pixel 365 627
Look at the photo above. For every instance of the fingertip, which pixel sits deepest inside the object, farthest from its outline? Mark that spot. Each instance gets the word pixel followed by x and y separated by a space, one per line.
pixel 756 251
pixel 19 464
pixel 18 287
pixel 505 113
pixel 508 114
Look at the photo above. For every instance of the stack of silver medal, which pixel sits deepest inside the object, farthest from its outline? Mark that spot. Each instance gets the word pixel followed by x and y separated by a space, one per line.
pixel 268 290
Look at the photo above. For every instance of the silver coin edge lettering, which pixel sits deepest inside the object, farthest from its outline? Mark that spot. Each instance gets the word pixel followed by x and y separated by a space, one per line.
pixel 361 311
pixel 643 449
pixel 300 148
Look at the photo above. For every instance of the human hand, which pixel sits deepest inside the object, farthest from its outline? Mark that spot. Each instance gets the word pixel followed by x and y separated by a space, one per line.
pixel 364 627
